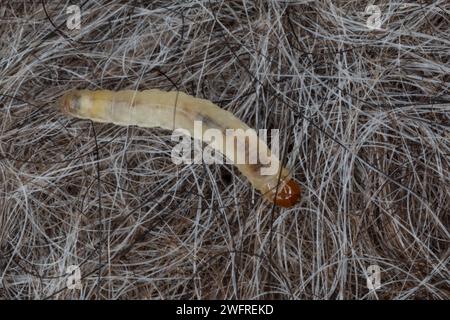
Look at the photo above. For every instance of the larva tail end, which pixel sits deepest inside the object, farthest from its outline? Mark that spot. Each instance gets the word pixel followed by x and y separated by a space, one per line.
pixel 288 194
pixel 69 103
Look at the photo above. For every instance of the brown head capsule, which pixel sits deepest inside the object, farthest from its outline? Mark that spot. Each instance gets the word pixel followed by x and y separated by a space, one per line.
pixel 288 194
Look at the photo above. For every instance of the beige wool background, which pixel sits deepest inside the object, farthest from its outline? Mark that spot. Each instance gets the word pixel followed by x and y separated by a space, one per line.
pixel 364 123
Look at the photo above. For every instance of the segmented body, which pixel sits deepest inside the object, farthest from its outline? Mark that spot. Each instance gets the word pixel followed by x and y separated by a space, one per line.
pixel 177 110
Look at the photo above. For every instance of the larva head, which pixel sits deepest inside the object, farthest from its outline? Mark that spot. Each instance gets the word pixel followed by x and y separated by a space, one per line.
pixel 287 194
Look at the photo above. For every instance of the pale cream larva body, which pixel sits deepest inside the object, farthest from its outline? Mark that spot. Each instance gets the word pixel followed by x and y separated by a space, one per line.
pixel 177 110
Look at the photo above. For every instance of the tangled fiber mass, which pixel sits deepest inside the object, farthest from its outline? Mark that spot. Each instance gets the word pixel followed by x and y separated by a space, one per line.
pixel 364 124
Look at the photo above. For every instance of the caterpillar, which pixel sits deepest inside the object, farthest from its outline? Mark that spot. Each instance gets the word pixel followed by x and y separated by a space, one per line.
pixel 175 109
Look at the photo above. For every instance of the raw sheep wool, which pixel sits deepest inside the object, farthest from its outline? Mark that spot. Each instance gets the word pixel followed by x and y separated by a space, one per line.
pixel 358 91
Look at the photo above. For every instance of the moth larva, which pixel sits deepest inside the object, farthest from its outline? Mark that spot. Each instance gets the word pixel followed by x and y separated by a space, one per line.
pixel 171 110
